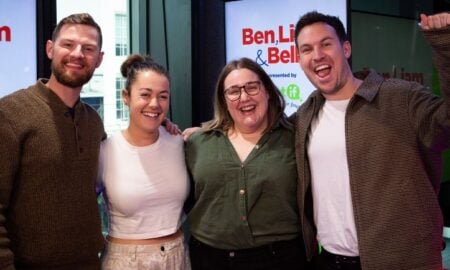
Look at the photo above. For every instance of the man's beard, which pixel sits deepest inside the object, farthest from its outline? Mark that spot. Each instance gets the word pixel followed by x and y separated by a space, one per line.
pixel 70 80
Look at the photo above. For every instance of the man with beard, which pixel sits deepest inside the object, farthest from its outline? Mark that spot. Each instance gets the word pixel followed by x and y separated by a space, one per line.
pixel 369 154
pixel 49 145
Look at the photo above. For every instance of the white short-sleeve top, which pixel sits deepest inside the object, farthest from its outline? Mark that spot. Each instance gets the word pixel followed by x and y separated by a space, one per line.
pixel 144 187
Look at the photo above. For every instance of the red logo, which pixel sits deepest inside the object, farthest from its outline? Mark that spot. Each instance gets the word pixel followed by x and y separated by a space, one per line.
pixel 5 33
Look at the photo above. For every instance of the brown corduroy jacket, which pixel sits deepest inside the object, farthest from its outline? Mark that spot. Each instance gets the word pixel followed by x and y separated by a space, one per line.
pixel 396 132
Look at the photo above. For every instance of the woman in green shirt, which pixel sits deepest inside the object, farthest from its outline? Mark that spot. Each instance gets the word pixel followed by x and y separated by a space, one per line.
pixel 242 162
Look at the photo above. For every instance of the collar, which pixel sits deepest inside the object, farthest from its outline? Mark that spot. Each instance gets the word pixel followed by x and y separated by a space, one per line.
pixel 370 86
pixel 48 96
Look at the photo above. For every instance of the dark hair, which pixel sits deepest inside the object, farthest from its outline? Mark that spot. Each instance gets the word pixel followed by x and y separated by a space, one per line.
pixel 80 18
pixel 223 120
pixel 136 63
pixel 315 17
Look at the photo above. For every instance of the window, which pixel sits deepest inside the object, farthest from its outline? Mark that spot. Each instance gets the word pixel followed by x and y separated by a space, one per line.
pixel 122 112
pixel 102 90
pixel 96 103
pixel 121 35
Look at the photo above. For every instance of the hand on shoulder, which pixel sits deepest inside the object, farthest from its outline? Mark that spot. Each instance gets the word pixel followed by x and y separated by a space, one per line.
pixel 171 127
pixel 188 132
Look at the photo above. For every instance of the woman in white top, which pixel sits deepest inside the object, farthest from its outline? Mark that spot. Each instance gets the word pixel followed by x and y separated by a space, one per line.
pixel 144 178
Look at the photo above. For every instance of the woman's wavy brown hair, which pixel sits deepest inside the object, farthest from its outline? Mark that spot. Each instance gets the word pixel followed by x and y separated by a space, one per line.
pixel 222 119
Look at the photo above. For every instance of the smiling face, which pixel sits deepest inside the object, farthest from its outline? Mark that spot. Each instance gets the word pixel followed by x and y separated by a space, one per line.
pixel 323 58
pixel 75 54
pixel 148 100
pixel 249 113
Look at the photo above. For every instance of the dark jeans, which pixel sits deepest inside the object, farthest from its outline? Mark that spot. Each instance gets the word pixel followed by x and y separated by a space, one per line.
pixel 329 261
pixel 282 255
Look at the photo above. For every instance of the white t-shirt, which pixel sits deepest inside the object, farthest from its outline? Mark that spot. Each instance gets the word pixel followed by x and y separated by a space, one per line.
pixel 144 187
pixel 327 153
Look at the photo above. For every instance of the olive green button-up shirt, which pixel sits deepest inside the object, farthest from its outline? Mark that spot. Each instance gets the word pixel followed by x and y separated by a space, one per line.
pixel 246 204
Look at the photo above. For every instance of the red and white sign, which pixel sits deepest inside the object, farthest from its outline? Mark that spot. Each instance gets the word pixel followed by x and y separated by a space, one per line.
pixel 264 31
pixel 17 45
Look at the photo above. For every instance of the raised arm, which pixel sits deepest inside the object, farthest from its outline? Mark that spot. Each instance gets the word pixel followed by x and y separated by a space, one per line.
pixel 436 29
pixel 431 114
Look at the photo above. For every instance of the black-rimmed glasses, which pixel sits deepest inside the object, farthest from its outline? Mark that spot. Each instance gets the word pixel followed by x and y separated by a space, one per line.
pixel 234 92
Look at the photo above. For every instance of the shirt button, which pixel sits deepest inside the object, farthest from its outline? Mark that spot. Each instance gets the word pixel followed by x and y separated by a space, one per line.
pixel 231 254
pixel 257 146
pixel 243 218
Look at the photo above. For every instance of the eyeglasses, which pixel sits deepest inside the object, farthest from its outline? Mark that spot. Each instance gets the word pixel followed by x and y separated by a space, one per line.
pixel 234 92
